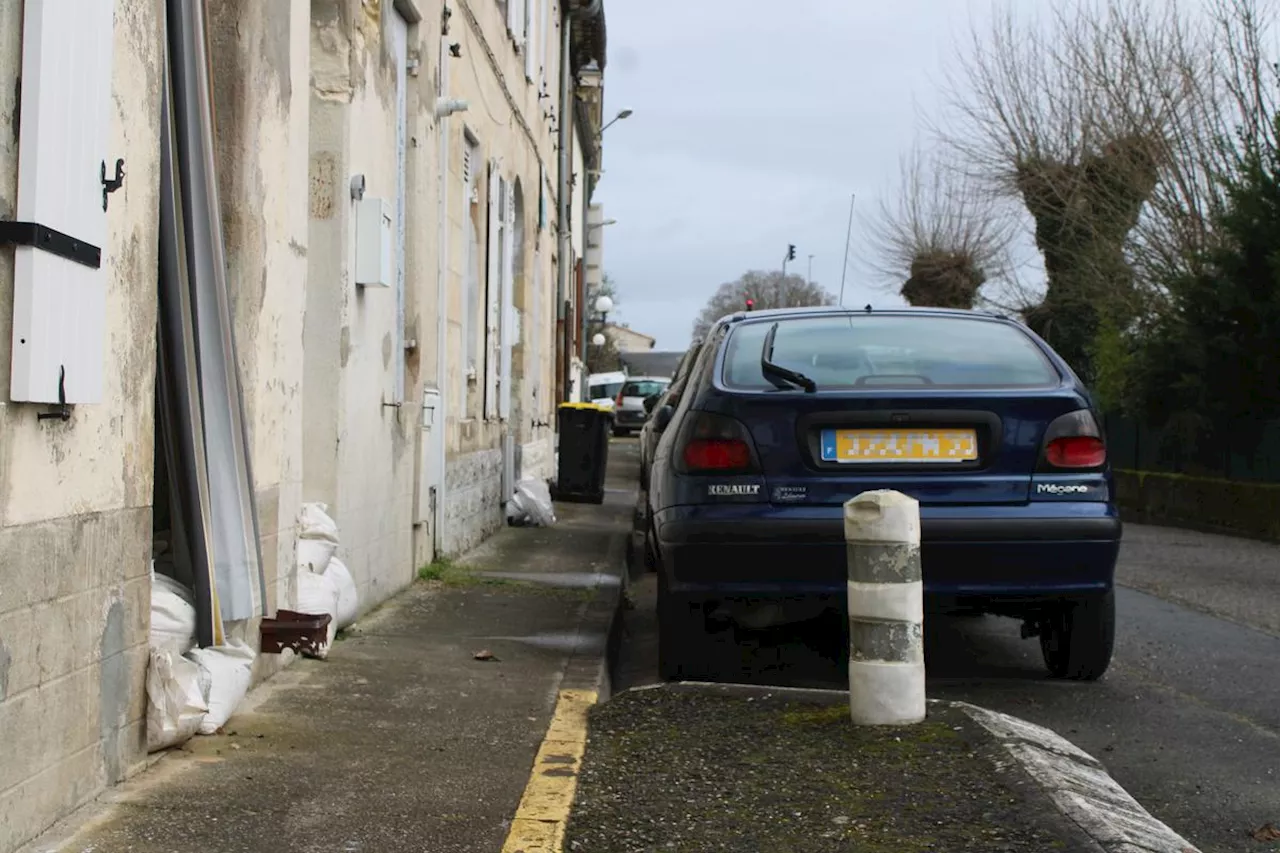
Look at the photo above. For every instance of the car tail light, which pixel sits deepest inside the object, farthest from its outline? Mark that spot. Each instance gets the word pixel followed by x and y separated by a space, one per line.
pixel 617 401
pixel 1074 442
pixel 715 443
pixel 1080 451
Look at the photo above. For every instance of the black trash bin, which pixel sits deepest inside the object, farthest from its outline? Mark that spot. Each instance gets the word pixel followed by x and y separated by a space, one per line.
pixel 584 452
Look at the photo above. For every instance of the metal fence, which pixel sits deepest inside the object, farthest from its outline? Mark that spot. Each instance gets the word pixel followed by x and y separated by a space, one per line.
pixel 1141 447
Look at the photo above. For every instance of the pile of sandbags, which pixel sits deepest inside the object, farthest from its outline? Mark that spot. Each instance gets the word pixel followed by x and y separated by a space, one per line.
pixel 325 584
pixel 189 690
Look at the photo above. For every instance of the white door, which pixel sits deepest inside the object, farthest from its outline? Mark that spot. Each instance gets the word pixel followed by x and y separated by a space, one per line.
pixel 400 45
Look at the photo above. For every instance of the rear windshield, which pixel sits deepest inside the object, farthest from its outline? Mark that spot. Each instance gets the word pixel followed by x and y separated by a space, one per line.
pixel 890 351
pixel 610 390
pixel 644 388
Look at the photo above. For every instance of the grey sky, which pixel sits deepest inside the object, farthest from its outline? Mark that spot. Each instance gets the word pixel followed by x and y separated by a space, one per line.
pixel 754 121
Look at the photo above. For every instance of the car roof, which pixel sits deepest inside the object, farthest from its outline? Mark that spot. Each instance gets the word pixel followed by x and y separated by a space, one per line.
pixel 845 311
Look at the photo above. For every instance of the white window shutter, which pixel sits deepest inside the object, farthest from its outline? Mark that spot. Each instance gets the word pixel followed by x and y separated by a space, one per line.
pixel 544 34
pixel 530 38
pixel 508 319
pixel 59 304
pixel 515 20
pixel 534 347
pixel 493 290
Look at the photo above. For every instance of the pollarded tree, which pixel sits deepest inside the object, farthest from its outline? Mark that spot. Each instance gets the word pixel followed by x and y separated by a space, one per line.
pixel 941 238
pixel 1071 117
pixel 765 290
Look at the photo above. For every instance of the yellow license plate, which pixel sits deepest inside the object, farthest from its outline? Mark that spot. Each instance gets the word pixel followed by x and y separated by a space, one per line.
pixel 872 446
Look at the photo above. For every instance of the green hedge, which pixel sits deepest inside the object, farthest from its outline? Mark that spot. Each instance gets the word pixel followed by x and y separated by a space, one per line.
pixel 1200 503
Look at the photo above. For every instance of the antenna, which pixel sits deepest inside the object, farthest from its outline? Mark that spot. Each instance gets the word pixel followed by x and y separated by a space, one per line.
pixel 847 232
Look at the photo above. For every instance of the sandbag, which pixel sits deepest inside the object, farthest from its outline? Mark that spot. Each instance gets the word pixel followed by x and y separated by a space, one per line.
pixel 317 594
pixel 173 616
pixel 348 595
pixel 531 505
pixel 314 554
pixel 317 537
pixel 225 673
pixel 176 705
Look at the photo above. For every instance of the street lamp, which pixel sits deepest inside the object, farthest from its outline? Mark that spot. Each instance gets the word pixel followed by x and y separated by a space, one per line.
pixel 603 306
pixel 621 115
pixel 597 339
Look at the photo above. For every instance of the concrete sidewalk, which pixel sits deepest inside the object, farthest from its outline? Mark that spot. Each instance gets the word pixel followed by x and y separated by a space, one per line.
pixel 402 740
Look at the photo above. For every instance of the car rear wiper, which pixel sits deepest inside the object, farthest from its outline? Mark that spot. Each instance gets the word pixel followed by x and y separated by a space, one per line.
pixel 781 377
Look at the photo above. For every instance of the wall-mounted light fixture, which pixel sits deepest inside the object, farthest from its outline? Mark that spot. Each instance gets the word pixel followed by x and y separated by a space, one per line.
pixel 449 106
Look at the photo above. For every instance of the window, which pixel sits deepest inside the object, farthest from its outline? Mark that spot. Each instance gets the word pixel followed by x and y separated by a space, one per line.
pixel 471 319
pixel 644 388
pixel 890 351
pixel 608 389
pixel 530 38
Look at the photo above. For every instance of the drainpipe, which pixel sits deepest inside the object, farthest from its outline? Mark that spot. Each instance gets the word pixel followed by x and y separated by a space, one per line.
pixel 442 271
pixel 562 218
pixel 570 12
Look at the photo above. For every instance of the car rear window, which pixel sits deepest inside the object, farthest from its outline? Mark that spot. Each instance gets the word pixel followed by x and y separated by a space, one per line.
pixel 610 390
pixel 643 388
pixel 895 351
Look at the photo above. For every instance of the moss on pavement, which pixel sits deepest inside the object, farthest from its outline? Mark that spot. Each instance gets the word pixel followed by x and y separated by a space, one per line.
pixel 675 770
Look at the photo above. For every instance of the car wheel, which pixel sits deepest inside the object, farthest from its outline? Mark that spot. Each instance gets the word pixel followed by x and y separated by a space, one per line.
pixel 1078 639
pixel 681 638
pixel 619 432
pixel 650 553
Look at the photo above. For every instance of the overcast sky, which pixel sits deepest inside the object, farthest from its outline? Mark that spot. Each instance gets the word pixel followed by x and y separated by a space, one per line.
pixel 754 122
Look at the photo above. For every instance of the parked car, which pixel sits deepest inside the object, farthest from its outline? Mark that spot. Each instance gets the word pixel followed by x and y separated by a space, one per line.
pixel 603 388
pixel 788 414
pixel 629 412
pixel 650 432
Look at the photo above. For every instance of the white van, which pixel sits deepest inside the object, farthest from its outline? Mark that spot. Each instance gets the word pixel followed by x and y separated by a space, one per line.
pixel 603 388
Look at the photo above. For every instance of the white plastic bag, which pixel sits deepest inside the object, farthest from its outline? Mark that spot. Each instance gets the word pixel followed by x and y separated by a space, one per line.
pixel 531 505
pixel 173 616
pixel 225 673
pixel 317 537
pixel 348 595
pixel 176 705
pixel 318 594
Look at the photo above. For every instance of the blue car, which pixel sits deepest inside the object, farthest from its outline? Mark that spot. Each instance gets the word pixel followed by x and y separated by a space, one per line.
pixel 788 414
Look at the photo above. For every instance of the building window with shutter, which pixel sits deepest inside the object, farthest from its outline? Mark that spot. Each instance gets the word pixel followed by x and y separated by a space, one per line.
pixel 472 319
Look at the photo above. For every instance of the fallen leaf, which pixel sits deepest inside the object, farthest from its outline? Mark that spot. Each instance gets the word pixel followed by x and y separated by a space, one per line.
pixel 485 654
pixel 1267 832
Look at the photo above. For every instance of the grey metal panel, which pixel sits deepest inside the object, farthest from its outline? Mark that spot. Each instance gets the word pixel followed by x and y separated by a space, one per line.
pixel 233 522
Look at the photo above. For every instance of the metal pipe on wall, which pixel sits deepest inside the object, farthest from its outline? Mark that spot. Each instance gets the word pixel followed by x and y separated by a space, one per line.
pixel 564 232
pixel 442 293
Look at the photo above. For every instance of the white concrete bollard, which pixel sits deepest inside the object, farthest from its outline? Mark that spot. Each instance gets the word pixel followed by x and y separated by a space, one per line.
pixel 886 609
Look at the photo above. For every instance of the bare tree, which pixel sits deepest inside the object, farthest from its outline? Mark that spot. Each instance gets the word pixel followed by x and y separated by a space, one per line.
pixel 765 290
pixel 1073 116
pixel 1227 110
pixel 942 237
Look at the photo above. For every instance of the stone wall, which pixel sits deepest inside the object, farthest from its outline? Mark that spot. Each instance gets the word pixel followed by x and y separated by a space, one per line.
pixel 75 518
pixel 474 508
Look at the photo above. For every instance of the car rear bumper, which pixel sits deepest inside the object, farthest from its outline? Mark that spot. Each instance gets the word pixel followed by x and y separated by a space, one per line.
pixel 629 419
pixel 1015 554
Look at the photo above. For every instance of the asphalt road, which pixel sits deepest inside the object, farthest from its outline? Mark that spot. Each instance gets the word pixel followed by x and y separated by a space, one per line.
pixel 1187 719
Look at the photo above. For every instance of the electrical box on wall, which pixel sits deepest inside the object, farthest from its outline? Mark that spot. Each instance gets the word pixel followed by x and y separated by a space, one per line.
pixel 373 242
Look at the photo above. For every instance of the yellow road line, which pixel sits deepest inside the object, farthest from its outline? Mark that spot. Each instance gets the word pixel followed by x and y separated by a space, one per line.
pixel 540 821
